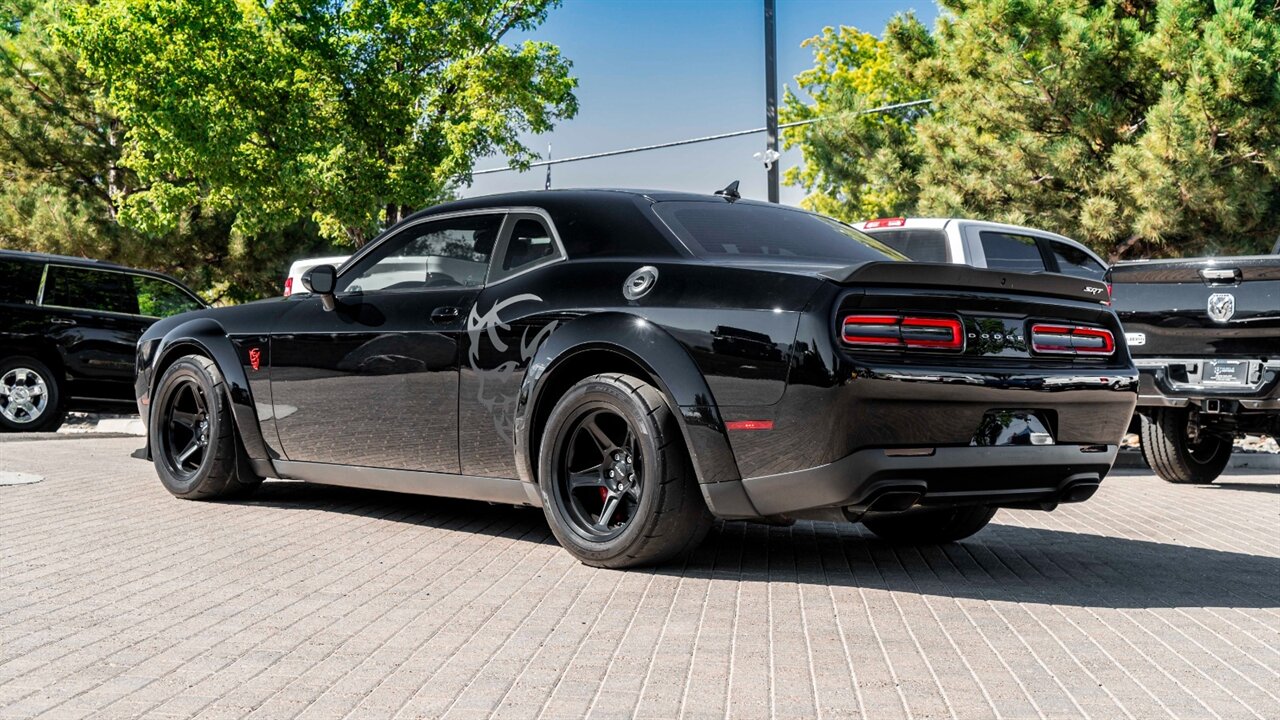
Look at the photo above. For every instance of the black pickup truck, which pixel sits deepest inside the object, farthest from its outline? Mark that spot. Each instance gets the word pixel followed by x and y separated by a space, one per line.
pixel 1205 335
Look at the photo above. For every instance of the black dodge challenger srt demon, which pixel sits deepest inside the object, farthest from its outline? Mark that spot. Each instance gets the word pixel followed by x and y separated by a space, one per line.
pixel 639 363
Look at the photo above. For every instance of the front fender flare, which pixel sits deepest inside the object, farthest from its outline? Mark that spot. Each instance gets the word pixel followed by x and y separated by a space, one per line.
pixel 208 337
pixel 668 365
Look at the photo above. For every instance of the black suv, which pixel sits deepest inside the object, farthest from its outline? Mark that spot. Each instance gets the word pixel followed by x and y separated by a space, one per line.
pixel 68 327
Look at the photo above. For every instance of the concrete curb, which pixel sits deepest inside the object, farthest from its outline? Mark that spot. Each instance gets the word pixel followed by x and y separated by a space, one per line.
pixel 128 426
pixel 18 478
pixel 1252 461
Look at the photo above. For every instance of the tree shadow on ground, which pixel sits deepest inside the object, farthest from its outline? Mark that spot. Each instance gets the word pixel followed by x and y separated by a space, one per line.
pixel 1003 563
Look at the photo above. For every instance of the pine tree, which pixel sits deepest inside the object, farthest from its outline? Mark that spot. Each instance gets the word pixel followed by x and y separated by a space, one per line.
pixel 1143 127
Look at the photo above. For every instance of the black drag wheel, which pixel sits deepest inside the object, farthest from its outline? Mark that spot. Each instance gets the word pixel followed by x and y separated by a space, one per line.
pixel 1180 453
pixel 30 396
pixel 931 526
pixel 192 434
pixel 617 485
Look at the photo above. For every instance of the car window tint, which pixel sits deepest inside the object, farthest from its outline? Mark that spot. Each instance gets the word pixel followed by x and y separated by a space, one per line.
pixel 1011 252
pixel 86 289
pixel 920 245
pixel 161 298
pixel 530 242
pixel 446 253
pixel 724 230
pixel 1074 261
pixel 20 281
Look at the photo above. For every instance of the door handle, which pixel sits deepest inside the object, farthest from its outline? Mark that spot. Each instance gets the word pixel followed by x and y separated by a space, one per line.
pixel 446 314
pixel 62 321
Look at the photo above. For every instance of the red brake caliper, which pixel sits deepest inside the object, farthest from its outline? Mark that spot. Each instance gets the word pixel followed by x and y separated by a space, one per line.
pixel 604 494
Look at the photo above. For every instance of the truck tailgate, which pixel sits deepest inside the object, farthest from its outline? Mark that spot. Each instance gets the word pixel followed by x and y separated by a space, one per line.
pixel 1200 306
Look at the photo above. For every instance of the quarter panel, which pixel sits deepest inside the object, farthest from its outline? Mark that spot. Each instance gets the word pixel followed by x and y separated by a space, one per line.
pixel 712 335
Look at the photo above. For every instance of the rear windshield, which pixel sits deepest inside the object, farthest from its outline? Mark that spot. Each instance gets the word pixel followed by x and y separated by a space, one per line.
pixel 724 230
pixel 920 245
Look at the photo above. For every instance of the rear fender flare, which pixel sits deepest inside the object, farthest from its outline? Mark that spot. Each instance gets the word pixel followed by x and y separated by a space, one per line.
pixel 668 365
pixel 208 338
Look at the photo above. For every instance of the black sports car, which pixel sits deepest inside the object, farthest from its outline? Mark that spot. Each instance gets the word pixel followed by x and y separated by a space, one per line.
pixel 637 363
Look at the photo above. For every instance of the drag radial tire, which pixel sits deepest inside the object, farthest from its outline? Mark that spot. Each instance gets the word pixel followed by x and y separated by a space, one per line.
pixel 30 396
pixel 1169 451
pixel 192 434
pixel 931 526
pixel 617 485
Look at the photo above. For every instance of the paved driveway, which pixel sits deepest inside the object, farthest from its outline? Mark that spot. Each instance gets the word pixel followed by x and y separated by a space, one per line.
pixel 117 600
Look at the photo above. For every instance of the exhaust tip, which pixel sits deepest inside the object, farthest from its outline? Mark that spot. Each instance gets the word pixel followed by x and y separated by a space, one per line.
pixel 1079 492
pixel 895 500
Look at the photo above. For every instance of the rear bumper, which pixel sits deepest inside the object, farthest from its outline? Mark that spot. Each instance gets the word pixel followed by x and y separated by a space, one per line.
pixel 877 479
pixel 1163 382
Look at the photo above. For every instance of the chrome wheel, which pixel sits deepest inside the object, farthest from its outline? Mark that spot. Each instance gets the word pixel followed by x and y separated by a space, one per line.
pixel 600 475
pixel 185 429
pixel 24 396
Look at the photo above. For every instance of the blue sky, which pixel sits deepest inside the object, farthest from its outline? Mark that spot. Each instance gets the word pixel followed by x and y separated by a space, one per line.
pixel 652 71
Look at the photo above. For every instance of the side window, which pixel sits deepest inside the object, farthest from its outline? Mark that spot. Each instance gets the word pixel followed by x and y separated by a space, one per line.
pixel 1011 252
pixel 161 298
pixel 21 281
pixel 1074 261
pixel 919 245
pixel 86 289
pixel 445 253
pixel 530 242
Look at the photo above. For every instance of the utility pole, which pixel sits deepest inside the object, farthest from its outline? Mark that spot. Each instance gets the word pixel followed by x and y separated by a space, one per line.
pixel 771 96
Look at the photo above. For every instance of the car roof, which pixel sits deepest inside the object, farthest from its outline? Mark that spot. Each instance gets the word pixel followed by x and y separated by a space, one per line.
pixel 91 263
pixel 538 198
pixel 331 260
pixel 937 223
pixel 907 223
pixel 63 260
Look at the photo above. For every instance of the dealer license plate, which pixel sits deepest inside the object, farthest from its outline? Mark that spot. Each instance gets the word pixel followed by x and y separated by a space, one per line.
pixel 1231 373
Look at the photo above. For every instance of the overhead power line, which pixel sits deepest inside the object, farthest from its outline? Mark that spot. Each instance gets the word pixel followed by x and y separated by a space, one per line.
pixel 691 141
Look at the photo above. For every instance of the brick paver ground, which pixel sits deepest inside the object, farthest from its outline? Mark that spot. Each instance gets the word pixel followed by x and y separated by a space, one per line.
pixel 117 600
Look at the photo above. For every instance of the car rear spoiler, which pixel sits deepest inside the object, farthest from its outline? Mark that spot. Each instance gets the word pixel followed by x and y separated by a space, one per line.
pixel 918 274
pixel 1227 270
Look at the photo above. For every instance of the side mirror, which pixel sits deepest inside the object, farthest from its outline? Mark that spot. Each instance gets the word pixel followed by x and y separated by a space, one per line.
pixel 321 280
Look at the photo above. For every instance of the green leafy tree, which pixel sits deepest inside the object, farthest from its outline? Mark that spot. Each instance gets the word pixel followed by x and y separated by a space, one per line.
pixel 62 181
pixel 342 114
pixel 1139 126
pixel 857 164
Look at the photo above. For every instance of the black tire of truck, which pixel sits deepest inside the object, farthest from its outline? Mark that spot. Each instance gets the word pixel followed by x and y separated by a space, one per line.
pixel 1170 452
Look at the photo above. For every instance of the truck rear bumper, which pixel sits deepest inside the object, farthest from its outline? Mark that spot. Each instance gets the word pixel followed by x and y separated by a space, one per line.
pixel 1176 382
pixel 889 479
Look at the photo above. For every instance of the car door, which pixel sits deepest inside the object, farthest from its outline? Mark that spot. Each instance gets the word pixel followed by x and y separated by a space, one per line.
pixel 374 382
pixel 95 323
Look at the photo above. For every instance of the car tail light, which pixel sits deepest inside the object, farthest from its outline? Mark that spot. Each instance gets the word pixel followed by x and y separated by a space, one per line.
pixel 937 333
pixel 872 330
pixel 884 223
pixel 896 331
pixel 288 286
pixel 1071 340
